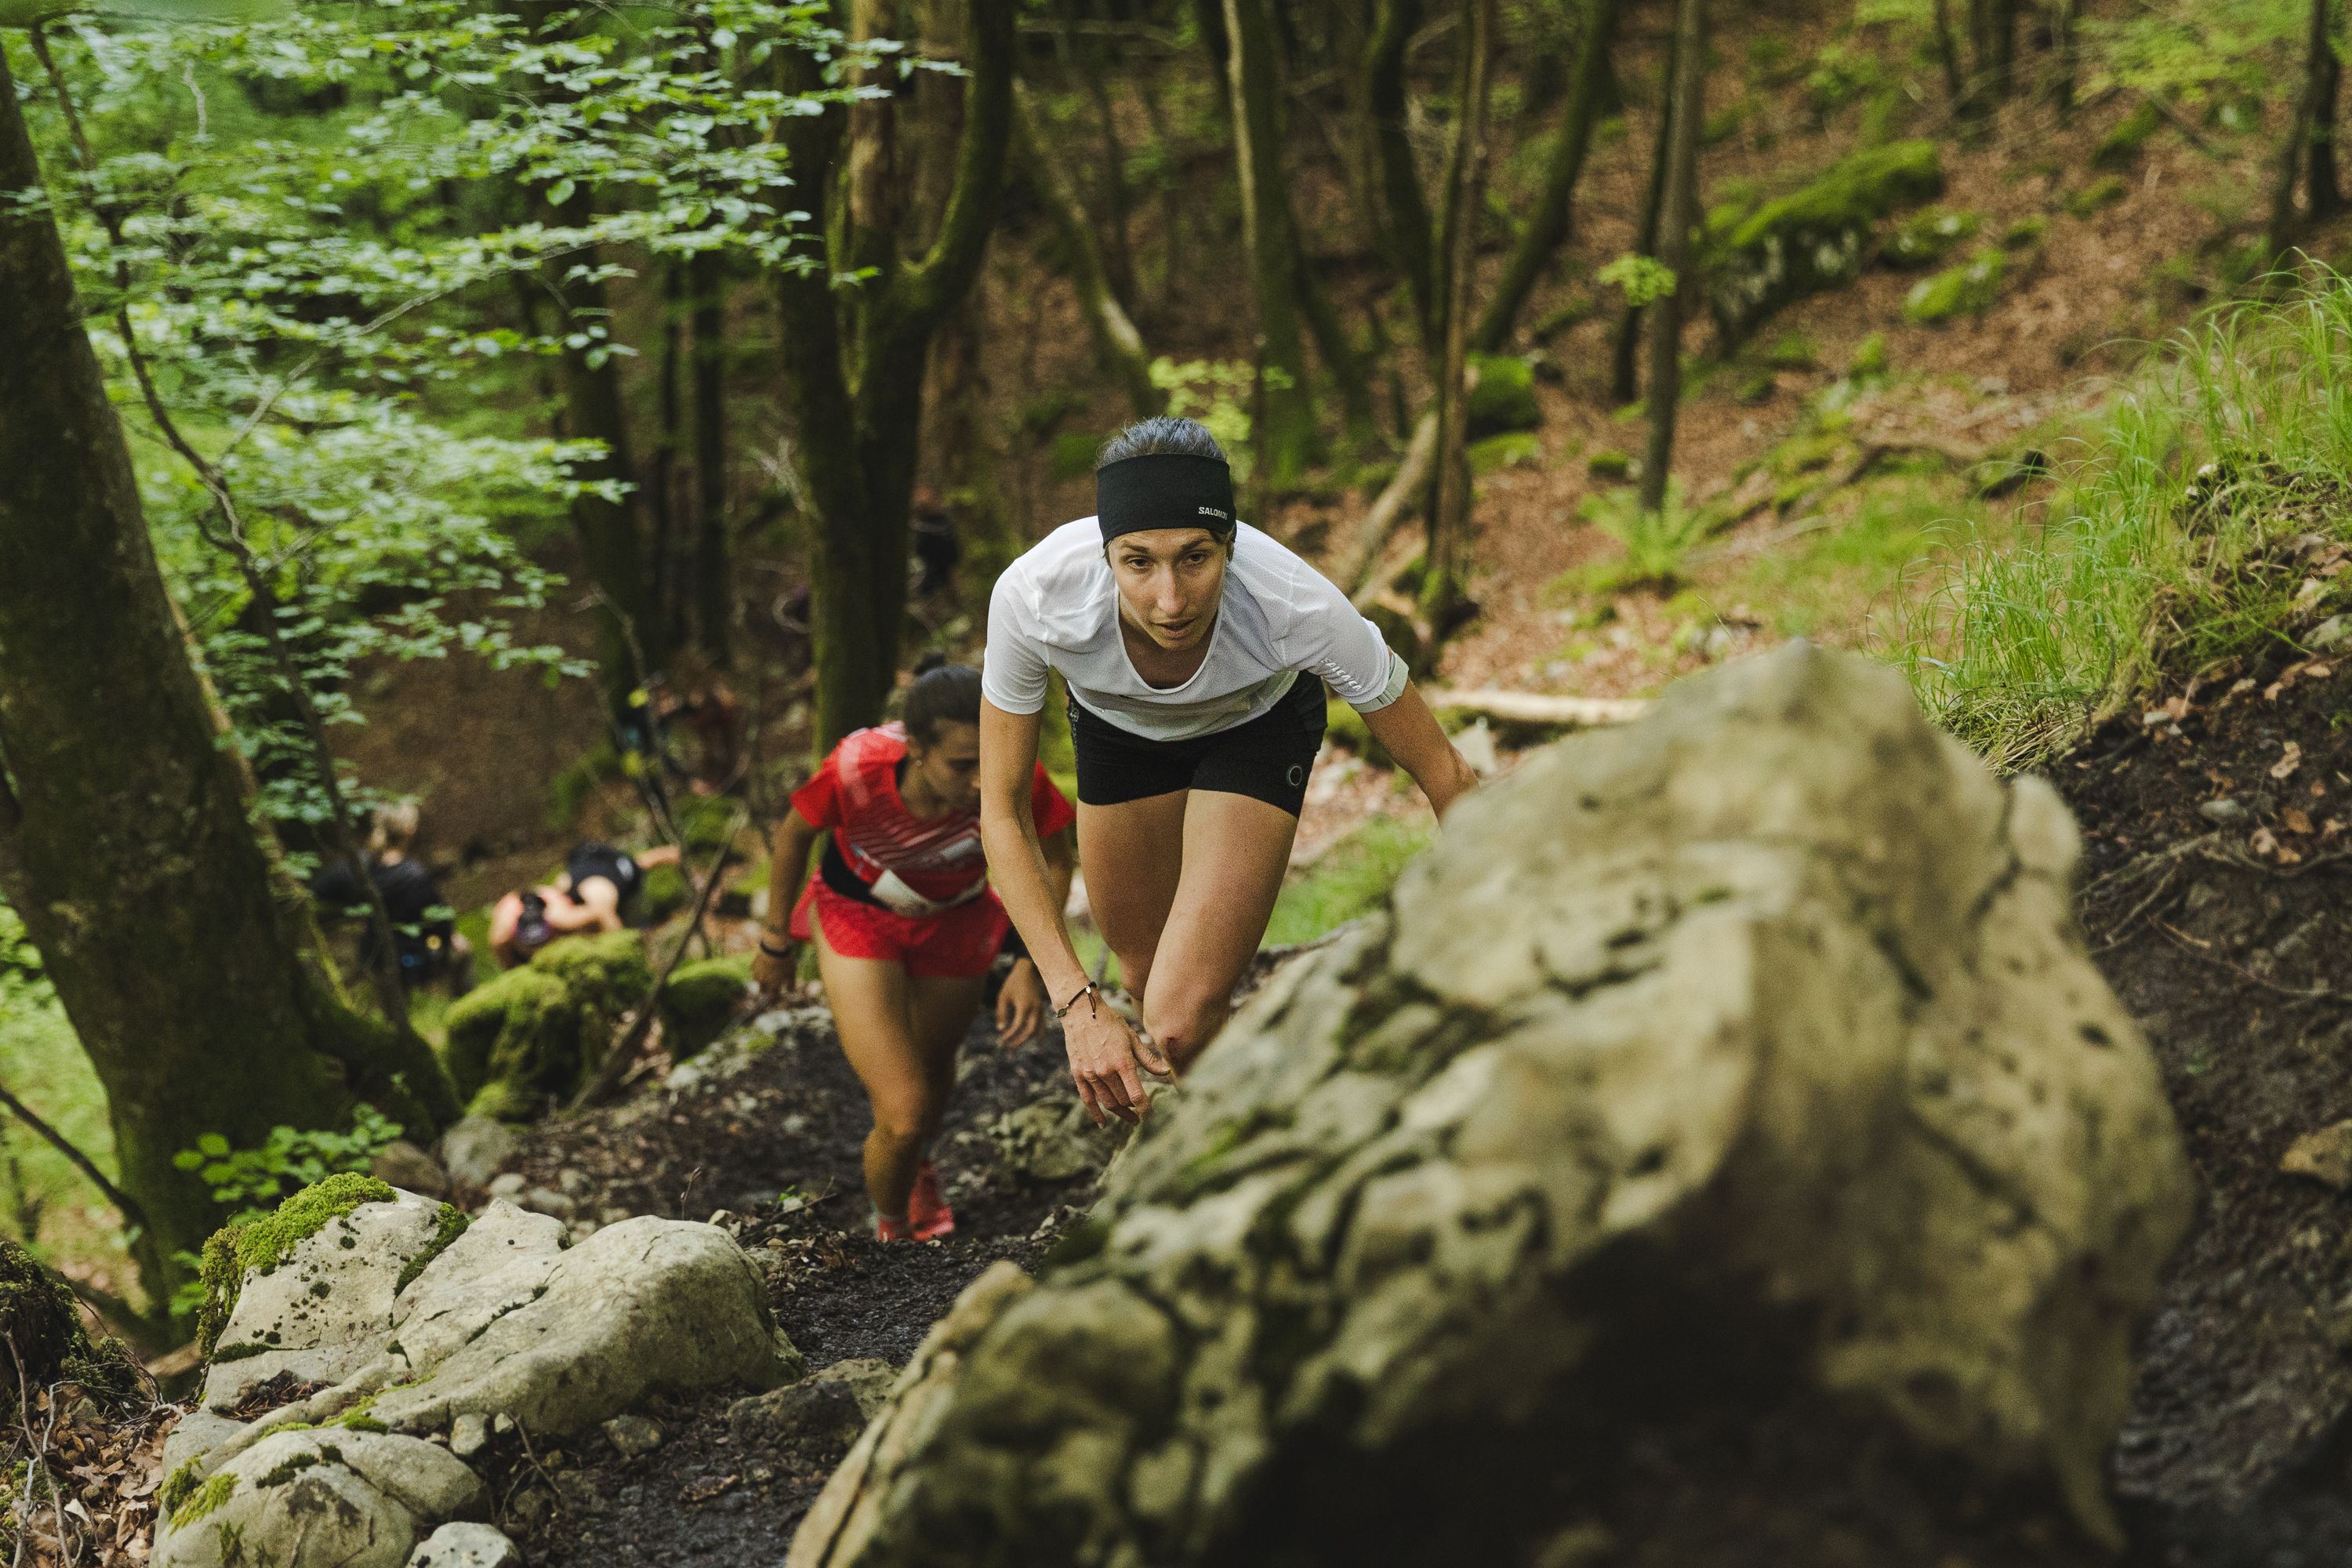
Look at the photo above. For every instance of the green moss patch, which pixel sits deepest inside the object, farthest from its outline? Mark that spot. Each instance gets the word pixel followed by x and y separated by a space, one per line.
pixel 262 1242
pixel 537 1032
pixel 1968 289
pixel 2120 147
pixel 1813 239
pixel 1504 397
pixel 204 1500
pixel 1925 240
pixel 42 1324
pixel 450 1223
pixel 699 1000
pixel 2098 195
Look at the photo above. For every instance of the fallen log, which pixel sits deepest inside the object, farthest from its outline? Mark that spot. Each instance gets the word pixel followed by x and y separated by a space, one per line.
pixel 1538 707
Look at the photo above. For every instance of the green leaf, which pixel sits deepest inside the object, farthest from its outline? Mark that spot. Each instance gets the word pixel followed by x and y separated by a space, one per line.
pixel 212 1144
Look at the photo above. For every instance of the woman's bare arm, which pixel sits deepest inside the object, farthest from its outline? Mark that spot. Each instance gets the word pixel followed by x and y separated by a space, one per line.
pixel 1017 865
pixel 1412 736
pixel 788 869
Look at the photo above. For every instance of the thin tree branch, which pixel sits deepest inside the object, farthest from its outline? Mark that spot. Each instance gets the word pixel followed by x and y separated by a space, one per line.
pixel 132 1214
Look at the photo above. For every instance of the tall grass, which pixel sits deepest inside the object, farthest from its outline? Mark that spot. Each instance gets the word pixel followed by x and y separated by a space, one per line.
pixel 2142 568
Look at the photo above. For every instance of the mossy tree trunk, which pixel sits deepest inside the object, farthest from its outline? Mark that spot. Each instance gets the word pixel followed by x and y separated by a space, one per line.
pixel 854 357
pixel 1118 345
pixel 1680 216
pixel 1285 434
pixel 1548 225
pixel 185 958
pixel 1625 339
pixel 2325 196
pixel 1411 235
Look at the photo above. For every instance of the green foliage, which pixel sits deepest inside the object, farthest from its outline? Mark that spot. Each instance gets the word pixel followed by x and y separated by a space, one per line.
pixel 2024 234
pixel 1609 464
pixel 569 791
pixel 1504 397
pixel 1924 239
pixel 45 1198
pixel 1656 543
pixel 1352 878
pixel 1643 280
pixel 2098 195
pixel 1792 350
pixel 255 1178
pixel 1968 289
pixel 1072 454
pixel 1842 73
pixel 2169 545
pixel 2119 148
pixel 1219 394
pixel 260 1241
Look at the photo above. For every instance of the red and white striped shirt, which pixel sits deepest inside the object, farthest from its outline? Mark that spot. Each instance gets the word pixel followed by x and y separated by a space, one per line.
pixel 855 794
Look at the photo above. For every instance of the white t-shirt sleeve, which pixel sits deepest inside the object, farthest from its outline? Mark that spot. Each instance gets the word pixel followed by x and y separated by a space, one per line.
pixel 1332 638
pixel 1012 671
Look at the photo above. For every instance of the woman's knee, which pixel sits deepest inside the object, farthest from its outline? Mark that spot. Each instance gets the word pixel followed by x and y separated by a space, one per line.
pixel 905 1118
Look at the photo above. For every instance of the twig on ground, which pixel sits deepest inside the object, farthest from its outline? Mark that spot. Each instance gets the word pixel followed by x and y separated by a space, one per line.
pixel 2189 945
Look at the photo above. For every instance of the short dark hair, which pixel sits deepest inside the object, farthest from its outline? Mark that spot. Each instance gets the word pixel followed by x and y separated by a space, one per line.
pixel 1160 433
pixel 943 693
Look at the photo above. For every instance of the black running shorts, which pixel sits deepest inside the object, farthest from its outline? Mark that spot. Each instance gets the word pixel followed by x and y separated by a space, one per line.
pixel 1266 759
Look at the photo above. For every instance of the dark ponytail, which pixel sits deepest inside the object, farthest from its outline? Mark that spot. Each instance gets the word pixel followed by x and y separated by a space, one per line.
pixel 943 693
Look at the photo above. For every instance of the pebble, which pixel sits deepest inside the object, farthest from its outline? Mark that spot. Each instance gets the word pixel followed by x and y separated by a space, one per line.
pixel 2224 811
pixel 469 1435
pixel 547 1201
pixel 633 1435
pixel 507 1185
pixel 465 1545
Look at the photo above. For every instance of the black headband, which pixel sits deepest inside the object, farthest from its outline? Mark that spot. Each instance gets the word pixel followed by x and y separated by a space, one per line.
pixel 1164 489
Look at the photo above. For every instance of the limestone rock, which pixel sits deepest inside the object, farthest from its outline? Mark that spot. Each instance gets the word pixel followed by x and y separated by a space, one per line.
pixel 868 1379
pixel 325 1312
pixel 323 1498
pixel 465 1545
pixel 1741 1067
pixel 404 1164
pixel 1052 1139
pixel 475 1148
pixel 2326 1156
pixel 506 1323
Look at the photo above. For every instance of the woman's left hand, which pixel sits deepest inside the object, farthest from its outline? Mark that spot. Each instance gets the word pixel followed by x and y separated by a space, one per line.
pixel 1020 1007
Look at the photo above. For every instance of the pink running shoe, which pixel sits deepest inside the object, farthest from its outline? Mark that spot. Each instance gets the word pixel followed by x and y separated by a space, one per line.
pixel 927 1206
pixel 888 1230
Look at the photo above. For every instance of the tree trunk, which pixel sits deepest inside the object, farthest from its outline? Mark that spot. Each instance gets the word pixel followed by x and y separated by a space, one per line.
pixel 185 957
pixel 854 372
pixel 2062 75
pixel 1684 108
pixel 1546 226
pixel 2284 217
pixel 714 580
pixel 1624 345
pixel 1948 54
pixel 1411 235
pixel 1286 437
pixel 2327 85
pixel 1117 344
pixel 1446 570
pixel 1347 364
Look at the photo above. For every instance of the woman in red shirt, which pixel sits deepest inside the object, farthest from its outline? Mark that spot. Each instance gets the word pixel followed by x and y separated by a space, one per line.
pixel 905 925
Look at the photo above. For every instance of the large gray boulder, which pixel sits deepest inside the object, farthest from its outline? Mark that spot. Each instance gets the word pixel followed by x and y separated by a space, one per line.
pixel 320 1498
pixel 1731 1084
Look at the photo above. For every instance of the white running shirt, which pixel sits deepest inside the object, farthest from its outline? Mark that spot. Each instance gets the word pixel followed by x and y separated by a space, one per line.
pixel 1057 608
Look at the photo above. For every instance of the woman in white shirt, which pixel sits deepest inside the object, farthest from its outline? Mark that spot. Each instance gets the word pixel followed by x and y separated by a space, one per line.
pixel 1196 649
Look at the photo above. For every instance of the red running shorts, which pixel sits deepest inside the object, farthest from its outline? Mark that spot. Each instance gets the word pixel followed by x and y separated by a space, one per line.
pixel 956 945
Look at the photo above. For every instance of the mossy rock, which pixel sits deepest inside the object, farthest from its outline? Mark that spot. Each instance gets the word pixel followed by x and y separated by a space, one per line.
pixel 262 1242
pixel 537 1032
pixel 1609 464
pixel 2120 147
pixel 1968 289
pixel 1926 239
pixel 2098 195
pixel 46 1342
pixel 663 893
pixel 1512 450
pixel 699 1000
pixel 1869 358
pixel 1813 239
pixel 1504 397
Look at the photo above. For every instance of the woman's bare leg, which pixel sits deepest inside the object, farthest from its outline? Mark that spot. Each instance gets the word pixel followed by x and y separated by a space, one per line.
pixel 870 1002
pixel 941 1010
pixel 1235 851
pixel 1133 857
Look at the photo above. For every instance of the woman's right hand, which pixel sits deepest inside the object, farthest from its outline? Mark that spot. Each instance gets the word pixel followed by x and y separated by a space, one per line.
pixel 1109 1061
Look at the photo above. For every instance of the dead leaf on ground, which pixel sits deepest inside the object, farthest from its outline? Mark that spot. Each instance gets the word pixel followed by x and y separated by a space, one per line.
pixel 2288 761
pixel 2296 819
